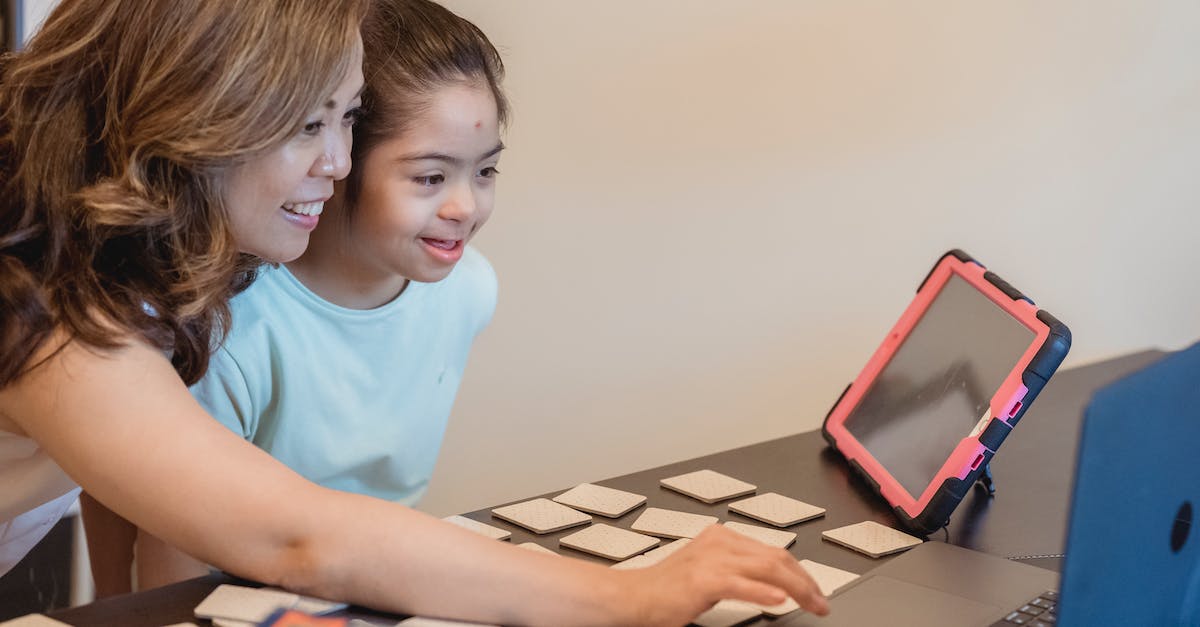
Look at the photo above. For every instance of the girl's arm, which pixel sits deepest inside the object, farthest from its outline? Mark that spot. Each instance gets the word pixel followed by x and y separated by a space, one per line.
pixel 123 425
pixel 110 541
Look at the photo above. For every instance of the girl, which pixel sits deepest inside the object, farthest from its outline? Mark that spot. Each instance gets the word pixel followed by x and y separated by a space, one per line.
pixel 172 147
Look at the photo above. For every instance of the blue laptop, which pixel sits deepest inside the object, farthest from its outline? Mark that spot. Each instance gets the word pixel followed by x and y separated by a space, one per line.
pixel 1133 556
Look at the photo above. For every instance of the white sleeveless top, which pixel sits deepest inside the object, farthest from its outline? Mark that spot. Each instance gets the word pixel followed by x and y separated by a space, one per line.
pixel 34 494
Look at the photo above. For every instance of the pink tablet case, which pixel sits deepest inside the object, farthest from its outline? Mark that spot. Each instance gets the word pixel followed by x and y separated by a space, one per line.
pixel 931 509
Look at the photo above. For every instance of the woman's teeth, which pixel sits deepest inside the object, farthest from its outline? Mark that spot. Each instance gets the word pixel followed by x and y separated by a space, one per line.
pixel 305 208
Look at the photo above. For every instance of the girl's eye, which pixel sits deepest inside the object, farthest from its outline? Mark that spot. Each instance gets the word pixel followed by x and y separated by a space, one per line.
pixel 352 116
pixel 313 128
pixel 429 181
pixel 489 172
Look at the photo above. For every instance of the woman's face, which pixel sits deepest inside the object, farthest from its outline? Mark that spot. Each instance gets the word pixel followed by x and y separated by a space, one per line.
pixel 275 199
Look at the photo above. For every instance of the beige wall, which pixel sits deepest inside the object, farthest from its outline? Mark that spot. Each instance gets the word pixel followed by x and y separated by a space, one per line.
pixel 711 211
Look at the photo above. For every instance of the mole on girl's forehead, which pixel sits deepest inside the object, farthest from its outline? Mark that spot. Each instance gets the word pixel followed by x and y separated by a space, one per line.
pixel 478 123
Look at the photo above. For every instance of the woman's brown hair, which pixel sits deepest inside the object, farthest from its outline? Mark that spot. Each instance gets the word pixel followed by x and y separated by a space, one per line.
pixel 410 49
pixel 118 123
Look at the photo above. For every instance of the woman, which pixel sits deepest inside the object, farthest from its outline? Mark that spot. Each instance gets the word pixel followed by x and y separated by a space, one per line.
pixel 148 147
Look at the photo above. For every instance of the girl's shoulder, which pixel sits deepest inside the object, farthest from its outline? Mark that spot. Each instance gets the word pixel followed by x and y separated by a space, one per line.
pixel 476 285
pixel 474 270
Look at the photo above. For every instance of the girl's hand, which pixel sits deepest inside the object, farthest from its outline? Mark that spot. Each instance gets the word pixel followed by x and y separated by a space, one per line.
pixel 719 564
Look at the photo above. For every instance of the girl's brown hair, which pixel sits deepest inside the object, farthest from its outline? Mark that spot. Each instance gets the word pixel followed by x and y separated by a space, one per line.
pixel 117 125
pixel 410 49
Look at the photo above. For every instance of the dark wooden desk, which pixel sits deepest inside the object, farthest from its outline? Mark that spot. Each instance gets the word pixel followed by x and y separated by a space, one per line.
pixel 1026 519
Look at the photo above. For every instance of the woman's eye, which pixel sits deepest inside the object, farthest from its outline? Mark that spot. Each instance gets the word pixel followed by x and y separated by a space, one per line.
pixel 489 172
pixel 429 181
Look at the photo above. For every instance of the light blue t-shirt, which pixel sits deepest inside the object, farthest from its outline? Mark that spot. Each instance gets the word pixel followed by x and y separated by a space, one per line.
pixel 352 400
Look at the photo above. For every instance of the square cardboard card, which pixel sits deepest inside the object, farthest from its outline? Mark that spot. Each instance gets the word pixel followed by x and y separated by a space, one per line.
pixel 770 537
pixel 597 499
pixel 242 603
pixel 708 486
pixel 536 548
pixel 482 529
pixel 727 613
pixel 421 621
pixel 776 509
pixel 33 620
pixel 668 523
pixel 541 516
pixel 871 538
pixel 608 541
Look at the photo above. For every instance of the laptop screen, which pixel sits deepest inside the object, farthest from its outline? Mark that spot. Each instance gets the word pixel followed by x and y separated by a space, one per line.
pixel 938 384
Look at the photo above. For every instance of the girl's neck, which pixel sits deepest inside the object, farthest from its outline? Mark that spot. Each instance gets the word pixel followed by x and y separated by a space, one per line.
pixel 334 270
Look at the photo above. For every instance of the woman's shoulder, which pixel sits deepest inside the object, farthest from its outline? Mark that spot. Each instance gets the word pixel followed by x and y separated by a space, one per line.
pixel 64 366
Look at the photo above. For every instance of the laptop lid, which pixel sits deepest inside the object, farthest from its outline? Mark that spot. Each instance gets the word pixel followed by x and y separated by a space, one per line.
pixel 1133 552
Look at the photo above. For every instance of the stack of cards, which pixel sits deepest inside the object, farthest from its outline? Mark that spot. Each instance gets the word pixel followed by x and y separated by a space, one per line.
pixel 666 523
pixel 608 541
pixel 597 499
pixel 541 516
pixel 234 606
pixel 776 509
pixel 482 529
pixel 239 603
pixel 871 538
pixel 708 486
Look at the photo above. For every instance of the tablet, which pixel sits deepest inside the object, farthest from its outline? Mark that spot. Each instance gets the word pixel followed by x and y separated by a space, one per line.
pixel 947 385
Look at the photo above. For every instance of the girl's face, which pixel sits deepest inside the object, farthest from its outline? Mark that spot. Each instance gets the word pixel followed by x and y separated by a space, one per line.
pixel 425 193
pixel 275 199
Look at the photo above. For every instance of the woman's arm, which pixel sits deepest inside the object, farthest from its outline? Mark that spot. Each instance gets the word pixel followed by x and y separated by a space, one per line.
pixel 111 542
pixel 124 426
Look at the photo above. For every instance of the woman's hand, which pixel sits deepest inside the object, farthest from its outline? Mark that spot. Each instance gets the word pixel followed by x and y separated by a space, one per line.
pixel 719 564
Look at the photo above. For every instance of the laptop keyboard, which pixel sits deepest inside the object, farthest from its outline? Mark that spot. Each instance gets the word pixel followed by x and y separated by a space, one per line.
pixel 1040 611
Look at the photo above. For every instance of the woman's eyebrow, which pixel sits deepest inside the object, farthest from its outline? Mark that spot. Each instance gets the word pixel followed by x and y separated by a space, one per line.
pixel 332 104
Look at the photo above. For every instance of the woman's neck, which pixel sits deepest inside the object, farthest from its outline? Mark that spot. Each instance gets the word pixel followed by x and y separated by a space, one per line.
pixel 334 269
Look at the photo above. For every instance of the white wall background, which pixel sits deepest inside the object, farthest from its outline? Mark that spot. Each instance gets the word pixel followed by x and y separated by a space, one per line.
pixel 34 12
pixel 711 211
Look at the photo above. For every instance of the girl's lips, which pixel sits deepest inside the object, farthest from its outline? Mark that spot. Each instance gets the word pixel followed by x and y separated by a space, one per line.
pixel 444 250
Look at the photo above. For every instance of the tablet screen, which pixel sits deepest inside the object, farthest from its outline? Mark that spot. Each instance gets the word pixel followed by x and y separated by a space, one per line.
pixel 938 384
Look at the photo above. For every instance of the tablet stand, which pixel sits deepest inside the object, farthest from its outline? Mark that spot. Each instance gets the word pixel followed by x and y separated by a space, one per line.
pixel 986 481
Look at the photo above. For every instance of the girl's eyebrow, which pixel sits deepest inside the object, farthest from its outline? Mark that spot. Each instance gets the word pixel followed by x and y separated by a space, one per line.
pixel 493 152
pixel 449 159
